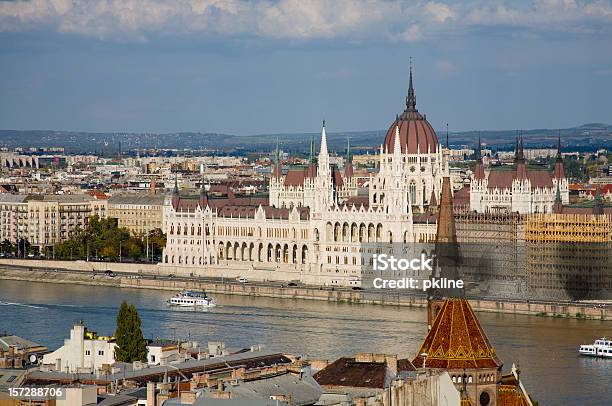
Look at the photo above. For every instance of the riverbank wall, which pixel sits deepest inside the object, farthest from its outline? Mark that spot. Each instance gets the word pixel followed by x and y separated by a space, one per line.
pixel 386 298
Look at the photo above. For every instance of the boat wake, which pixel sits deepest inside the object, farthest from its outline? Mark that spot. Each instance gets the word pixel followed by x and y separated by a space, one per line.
pixel 19 304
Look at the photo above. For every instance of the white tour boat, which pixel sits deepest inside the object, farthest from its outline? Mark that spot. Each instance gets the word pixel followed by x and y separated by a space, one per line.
pixel 601 348
pixel 191 299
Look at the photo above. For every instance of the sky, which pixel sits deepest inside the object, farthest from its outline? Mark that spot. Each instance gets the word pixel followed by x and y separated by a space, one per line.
pixel 282 66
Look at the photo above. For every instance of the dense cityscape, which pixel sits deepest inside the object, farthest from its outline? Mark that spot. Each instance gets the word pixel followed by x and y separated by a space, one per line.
pixel 305 203
pixel 276 224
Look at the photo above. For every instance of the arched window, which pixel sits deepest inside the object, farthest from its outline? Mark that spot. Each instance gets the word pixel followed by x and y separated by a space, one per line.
pixel 424 192
pixel 412 192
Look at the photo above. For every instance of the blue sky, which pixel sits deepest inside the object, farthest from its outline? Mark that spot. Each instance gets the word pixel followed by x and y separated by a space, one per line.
pixel 271 66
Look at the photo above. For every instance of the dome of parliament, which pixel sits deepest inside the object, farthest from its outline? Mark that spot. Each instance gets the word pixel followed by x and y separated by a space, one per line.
pixel 415 132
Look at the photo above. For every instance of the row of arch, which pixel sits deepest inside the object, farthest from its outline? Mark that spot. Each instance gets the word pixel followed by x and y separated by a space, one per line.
pixel 183 260
pixel 185 230
pixel 363 233
pixel 482 378
pixel 279 253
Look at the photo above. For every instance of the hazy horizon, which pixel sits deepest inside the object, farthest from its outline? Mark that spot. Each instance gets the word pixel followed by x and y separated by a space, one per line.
pixel 281 66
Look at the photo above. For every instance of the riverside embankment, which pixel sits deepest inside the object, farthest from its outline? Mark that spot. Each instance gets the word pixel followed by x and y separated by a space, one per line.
pixel 147 277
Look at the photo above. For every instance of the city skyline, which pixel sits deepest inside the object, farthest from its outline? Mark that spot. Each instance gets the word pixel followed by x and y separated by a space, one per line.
pixel 278 67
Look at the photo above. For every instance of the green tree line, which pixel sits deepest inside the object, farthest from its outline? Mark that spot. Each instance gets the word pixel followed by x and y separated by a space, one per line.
pixel 104 239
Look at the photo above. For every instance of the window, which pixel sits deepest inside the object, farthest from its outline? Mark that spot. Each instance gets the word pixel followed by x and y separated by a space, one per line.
pixel 100 352
pixel 485 399
pixel 87 352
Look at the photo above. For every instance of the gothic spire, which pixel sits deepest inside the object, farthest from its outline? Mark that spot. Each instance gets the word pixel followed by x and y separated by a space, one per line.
pixel 559 158
pixel 277 153
pixel 411 98
pixel 447 147
pixel 348 150
pixel 520 154
pixel 323 148
pixel 598 208
pixel 479 149
pixel 558 205
pixel 312 150
pixel 175 191
pixel 203 194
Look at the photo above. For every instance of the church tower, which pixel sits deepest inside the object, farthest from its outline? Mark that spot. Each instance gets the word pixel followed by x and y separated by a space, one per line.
pixel 447 254
pixel 323 190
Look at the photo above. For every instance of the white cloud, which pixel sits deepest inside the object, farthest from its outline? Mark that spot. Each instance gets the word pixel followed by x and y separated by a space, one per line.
pixel 295 19
pixel 445 68
pixel 439 12
pixel 411 34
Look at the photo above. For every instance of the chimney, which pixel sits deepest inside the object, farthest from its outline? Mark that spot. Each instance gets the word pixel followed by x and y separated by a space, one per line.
pixel 392 363
pixel 151 394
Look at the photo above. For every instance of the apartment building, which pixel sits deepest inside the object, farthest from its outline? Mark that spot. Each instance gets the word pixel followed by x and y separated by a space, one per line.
pixel 46 220
pixel 139 213
pixel 13 217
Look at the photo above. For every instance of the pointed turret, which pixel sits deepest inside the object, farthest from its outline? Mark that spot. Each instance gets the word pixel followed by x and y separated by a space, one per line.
pixel 559 171
pixel 397 146
pixel 521 167
pixel 446 233
pixel 175 192
pixel 348 165
pixel 447 145
pixel 203 195
pixel 311 157
pixel 558 205
pixel 323 149
pixel 447 254
pixel 520 153
pixel 599 206
pixel 410 98
pixel 433 203
pixel 479 168
pixel 277 170
pixel 457 340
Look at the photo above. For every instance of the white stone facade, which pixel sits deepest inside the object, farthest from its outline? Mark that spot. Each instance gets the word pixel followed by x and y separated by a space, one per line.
pixel 317 238
pixel 521 196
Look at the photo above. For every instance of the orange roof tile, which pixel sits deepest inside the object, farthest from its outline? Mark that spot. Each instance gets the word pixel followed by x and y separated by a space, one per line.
pixel 456 340
pixel 511 395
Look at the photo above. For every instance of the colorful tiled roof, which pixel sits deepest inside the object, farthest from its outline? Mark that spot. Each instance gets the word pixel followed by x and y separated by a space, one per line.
pixel 511 395
pixel 456 340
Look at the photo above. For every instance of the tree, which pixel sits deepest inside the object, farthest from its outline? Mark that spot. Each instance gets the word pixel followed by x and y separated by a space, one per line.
pixel 157 241
pixel 101 238
pixel 23 247
pixel 7 247
pixel 131 345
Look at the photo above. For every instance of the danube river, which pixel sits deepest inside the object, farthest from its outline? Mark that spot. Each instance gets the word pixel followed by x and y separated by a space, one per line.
pixel 544 348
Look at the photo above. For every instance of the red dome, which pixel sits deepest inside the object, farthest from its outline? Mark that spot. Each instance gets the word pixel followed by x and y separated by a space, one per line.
pixel 414 129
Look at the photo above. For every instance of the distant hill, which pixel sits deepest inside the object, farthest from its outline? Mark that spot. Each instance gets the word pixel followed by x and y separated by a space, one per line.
pixel 584 137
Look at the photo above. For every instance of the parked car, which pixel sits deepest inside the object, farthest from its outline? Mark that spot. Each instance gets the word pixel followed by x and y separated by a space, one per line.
pixel 242 279
pixel 292 284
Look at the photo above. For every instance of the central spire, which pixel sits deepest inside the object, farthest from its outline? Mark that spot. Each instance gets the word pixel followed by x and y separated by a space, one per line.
pixel 411 98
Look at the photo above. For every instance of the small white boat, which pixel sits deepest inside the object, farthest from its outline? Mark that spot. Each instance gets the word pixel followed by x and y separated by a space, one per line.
pixel 602 348
pixel 191 299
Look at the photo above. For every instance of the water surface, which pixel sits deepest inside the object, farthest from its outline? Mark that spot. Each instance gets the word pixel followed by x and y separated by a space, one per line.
pixel 544 348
